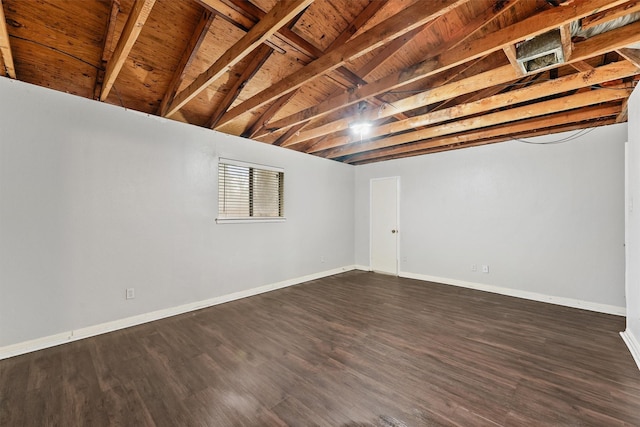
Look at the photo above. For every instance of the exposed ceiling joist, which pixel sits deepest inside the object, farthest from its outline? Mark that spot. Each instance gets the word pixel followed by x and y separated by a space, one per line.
pixel 605 73
pixel 510 52
pixel 281 13
pixel 350 77
pixel 562 127
pixel 368 13
pixel 567 43
pixel 5 46
pixel 591 47
pixel 528 125
pixel 631 55
pixel 190 51
pixel 610 14
pixel 535 25
pixel 399 24
pixel 137 17
pixel 337 99
pixel 518 113
pixel 260 56
pixel 425 72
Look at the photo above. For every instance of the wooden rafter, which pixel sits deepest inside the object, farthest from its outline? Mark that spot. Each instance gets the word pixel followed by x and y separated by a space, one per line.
pixel 281 13
pixel 341 99
pixel 228 13
pixel 567 43
pixel 189 53
pixel 581 65
pixel 272 110
pixel 448 59
pixel 438 92
pixel 259 57
pixel 631 55
pixel 594 46
pixel 563 127
pixel 505 131
pixel 607 120
pixel 401 23
pixel 610 14
pixel 610 72
pixel 107 47
pixel 510 52
pixel 564 103
pixel 624 112
pixel 381 57
pixel 5 46
pixel 342 38
pixel 137 17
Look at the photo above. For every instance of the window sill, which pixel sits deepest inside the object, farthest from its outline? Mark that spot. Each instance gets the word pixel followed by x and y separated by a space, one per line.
pixel 248 220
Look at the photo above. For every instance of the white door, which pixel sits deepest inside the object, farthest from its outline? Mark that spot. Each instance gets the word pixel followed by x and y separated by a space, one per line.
pixel 384 225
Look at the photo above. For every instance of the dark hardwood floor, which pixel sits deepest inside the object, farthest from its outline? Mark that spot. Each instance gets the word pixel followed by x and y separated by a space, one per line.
pixel 356 349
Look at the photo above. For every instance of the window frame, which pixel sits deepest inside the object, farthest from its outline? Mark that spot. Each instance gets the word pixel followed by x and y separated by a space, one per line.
pixel 250 219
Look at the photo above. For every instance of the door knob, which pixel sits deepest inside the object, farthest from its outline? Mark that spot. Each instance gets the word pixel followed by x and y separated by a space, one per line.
pixel 394 231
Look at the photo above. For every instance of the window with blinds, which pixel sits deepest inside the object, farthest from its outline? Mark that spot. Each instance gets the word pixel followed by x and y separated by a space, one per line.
pixel 249 191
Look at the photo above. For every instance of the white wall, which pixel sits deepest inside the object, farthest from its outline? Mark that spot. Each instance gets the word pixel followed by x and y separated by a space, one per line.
pixel 548 220
pixel 632 333
pixel 95 199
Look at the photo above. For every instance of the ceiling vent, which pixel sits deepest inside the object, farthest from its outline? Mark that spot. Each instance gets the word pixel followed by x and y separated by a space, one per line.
pixel 540 52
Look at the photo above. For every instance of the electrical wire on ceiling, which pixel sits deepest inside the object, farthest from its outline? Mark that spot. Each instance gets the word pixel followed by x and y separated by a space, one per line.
pixel 575 135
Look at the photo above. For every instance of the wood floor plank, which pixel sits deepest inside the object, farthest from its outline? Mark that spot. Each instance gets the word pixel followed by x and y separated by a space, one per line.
pixel 352 350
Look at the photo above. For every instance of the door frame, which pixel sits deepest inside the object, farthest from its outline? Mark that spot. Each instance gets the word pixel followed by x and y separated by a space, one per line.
pixel 397 178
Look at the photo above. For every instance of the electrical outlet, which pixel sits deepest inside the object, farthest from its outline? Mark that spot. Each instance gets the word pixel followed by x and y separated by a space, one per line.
pixel 131 293
pixel 474 267
pixel 485 268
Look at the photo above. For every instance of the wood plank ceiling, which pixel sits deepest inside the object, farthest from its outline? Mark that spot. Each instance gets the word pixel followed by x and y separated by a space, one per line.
pixel 356 81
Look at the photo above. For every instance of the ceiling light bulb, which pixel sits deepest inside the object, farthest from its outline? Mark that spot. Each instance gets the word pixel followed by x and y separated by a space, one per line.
pixel 361 126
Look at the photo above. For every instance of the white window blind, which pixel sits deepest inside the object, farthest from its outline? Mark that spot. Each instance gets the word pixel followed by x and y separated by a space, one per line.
pixel 249 191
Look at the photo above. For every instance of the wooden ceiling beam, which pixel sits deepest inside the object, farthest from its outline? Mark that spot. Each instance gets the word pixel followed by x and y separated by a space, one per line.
pixel 189 53
pixel 399 24
pixel 342 38
pixel 537 125
pixel 510 52
pixel 228 13
pixel 514 114
pixel 605 73
pixel 582 66
pixel 5 46
pixel 462 34
pixel 259 58
pixel 594 46
pixel 106 47
pixel 535 25
pixel 438 93
pixel 281 13
pixel 137 17
pixel 383 55
pixel 603 121
pixel 631 55
pixel 624 112
pixel 567 43
pixel 271 111
pixel 610 14
pixel 481 21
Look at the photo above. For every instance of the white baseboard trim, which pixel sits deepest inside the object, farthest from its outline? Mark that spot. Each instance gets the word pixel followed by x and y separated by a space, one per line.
pixel 568 302
pixel 362 267
pixel 632 344
pixel 90 331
